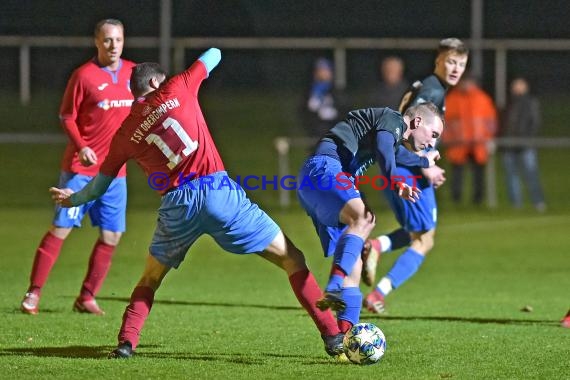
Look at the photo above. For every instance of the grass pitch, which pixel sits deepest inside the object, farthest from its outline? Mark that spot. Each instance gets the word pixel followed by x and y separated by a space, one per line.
pixel 225 316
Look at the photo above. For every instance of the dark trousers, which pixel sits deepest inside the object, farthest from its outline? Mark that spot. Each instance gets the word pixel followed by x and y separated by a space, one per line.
pixel 457 173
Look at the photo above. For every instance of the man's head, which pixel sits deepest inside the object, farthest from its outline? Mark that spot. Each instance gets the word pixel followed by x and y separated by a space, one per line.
pixel 467 82
pixel 146 77
pixel 109 40
pixel 425 126
pixel 392 70
pixel 519 87
pixel 323 71
pixel 451 60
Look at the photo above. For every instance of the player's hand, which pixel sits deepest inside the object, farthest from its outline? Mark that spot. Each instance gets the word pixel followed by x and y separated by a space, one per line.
pixel 409 193
pixel 61 196
pixel 87 156
pixel 435 175
pixel 432 156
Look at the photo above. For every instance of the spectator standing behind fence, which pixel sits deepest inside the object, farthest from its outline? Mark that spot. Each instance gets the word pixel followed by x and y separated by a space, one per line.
pixel 392 85
pixel 522 119
pixel 471 124
pixel 321 108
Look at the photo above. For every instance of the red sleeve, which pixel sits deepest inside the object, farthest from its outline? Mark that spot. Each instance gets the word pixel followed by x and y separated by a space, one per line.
pixel 68 111
pixel 193 76
pixel 118 155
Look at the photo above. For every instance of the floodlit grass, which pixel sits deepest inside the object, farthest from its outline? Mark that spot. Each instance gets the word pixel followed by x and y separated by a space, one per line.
pixel 222 316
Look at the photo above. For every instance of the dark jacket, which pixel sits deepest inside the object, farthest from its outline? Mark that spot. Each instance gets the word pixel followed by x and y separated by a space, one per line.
pixel 522 117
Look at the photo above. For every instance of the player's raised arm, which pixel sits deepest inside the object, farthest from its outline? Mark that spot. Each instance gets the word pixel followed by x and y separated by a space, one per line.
pixel 210 58
pixel 193 76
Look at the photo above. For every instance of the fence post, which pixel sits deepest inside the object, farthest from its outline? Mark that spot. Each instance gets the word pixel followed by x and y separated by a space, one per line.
pixel 179 57
pixel 282 146
pixel 340 66
pixel 500 77
pixel 165 33
pixel 491 175
pixel 25 92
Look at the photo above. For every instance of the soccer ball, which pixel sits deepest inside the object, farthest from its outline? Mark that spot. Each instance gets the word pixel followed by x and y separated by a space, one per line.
pixel 364 344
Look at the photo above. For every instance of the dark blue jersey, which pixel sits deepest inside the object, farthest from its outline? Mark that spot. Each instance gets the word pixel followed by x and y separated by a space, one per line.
pixel 366 136
pixel 431 89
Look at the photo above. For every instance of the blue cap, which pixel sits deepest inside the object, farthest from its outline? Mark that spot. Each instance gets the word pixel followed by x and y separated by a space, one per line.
pixel 323 63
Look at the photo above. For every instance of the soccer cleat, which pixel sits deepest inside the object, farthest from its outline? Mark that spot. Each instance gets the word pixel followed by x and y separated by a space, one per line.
pixel 123 351
pixel 87 306
pixel 30 304
pixel 333 344
pixel 370 257
pixel 331 300
pixel 342 358
pixel 374 302
pixel 566 321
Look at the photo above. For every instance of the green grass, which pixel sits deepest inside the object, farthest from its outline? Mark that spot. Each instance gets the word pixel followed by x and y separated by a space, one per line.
pixel 225 316
pixel 222 316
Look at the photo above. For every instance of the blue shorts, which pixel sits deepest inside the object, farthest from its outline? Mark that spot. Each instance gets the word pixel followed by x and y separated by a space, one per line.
pixel 419 216
pixel 323 196
pixel 106 212
pixel 213 205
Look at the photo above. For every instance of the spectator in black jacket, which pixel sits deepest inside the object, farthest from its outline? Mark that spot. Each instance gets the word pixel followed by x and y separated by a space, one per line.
pixel 392 86
pixel 522 120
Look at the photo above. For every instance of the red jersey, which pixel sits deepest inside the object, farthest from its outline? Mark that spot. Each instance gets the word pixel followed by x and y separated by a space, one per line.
pixel 95 102
pixel 166 133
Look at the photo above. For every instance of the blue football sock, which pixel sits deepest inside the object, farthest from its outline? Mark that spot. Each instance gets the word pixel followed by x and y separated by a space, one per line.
pixel 405 267
pixel 335 283
pixel 353 299
pixel 348 251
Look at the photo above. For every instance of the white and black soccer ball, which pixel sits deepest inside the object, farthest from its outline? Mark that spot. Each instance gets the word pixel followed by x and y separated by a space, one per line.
pixel 364 344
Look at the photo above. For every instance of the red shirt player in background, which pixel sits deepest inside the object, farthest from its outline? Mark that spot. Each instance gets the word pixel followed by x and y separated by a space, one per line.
pixel 97 99
pixel 168 137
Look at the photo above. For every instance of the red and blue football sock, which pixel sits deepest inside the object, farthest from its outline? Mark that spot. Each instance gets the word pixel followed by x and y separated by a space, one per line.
pixel 346 254
pixel 351 314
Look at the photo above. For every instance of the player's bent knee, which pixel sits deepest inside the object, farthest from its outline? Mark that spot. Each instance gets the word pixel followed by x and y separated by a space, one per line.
pixel 110 237
pixel 362 227
pixel 153 274
pixel 60 232
pixel 283 253
pixel 423 242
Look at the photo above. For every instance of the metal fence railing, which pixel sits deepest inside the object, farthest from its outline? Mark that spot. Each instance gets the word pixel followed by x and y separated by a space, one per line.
pixel 339 46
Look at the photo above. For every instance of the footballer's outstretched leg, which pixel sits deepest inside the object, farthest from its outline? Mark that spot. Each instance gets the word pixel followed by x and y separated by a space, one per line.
pixel 140 305
pixel 283 253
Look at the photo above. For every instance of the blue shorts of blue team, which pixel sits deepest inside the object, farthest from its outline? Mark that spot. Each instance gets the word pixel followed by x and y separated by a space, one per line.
pixel 324 197
pixel 420 216
pixel 106 212
pixel 218 207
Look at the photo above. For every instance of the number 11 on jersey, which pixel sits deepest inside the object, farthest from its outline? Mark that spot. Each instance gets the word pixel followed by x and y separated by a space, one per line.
pixel 189 144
